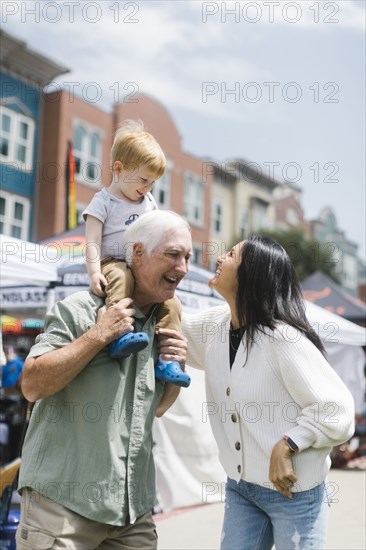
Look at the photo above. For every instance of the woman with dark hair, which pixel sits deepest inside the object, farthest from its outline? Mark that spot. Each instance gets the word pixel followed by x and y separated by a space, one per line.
pixel 275 405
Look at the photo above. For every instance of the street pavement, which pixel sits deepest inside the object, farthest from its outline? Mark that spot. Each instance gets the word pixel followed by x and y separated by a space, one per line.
pixel 199 527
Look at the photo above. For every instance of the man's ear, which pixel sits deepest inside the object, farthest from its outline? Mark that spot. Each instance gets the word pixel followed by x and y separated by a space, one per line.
pixel 138 249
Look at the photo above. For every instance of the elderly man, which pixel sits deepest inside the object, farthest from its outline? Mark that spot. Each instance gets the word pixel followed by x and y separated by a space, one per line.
pixel 87 474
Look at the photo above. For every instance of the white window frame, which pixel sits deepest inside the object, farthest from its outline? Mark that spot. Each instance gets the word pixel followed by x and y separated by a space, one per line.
pixel 292 217
pixel 163 185
pixel 243 223
pixel 14 139
pixel 196 258
pixel 85 156
pixel 260 215
pixel 194 202
pixel 217 217
pixel 350 271
pixel 8 220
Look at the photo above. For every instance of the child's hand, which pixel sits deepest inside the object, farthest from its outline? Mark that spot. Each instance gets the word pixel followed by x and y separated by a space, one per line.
pixel 116 320
pixel 97 284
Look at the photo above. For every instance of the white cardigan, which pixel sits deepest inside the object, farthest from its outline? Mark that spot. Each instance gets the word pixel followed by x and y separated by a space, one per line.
pixel 285 387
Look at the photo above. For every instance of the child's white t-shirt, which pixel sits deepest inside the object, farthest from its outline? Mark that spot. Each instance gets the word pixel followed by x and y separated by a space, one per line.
pixel 116 215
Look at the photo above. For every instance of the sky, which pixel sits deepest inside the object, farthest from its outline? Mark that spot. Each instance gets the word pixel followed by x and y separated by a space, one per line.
pixel 278 83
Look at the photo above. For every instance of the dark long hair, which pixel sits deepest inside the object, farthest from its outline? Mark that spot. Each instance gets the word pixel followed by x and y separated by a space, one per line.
pixel 269 291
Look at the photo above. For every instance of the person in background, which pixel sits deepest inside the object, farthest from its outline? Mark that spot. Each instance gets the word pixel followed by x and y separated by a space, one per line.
pixel 4 429
pixel 13 406
pixel 275 404
pixel 2 353
pixel 137 160
pixel 11 371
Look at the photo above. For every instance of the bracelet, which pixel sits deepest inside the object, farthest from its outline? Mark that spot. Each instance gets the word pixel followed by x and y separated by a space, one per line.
pixel 291 444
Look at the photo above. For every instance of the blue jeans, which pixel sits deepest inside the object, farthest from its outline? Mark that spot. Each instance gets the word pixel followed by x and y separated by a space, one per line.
pixel 256 518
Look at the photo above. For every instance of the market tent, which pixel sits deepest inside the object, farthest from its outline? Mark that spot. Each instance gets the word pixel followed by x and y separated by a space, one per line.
pixel 334 329
pixel 319 289
pixel 24 262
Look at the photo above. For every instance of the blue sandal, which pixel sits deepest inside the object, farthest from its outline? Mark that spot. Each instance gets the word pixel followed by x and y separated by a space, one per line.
pixel 131 342
pixel 172 373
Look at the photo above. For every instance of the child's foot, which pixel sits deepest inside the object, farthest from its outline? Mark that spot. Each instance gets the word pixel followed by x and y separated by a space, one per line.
pixel 171 372
pixel 131 342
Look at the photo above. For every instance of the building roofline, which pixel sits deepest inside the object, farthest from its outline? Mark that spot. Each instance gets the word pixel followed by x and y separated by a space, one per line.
pixel 247 167
pixel 19 60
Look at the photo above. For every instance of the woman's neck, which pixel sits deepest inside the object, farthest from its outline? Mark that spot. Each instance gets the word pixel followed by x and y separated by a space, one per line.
pixel 234 315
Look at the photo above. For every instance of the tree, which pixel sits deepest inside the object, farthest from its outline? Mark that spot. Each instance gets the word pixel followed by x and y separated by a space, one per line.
pixel 307 255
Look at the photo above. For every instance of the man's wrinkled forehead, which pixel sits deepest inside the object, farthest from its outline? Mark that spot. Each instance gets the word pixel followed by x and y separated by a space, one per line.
pixel 179 241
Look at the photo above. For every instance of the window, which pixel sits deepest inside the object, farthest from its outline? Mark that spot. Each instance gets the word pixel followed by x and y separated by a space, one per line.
pixel 216 216
pixel 193 199
pixel 14 215
pixel 260 214
pixel 87 148
pixel 243 224
pixel 161 189
pixel 350 271
pixel 196 254
pixel 292 217
pixel 17 138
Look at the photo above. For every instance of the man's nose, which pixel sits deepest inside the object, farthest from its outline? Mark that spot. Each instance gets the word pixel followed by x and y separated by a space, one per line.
pixel 181 265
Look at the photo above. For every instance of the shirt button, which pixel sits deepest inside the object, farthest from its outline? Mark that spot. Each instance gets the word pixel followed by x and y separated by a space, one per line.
pixel 239 468
pixel 227 391
pixel 237 446
pixel 234 418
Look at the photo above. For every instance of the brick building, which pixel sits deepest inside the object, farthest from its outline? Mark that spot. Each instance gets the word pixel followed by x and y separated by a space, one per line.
pixel 182 188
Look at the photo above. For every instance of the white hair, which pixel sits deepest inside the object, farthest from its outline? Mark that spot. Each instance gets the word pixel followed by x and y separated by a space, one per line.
pixel 150 230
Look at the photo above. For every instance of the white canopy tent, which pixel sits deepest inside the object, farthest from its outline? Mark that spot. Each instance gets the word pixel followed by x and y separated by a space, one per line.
pixel 342 340
pixel 334 329
pixel 26 263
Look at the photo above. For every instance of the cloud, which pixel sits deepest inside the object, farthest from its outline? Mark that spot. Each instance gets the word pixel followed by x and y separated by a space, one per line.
pixel 321 15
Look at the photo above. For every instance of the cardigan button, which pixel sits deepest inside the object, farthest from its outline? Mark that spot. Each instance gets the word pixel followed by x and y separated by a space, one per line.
pixel 237 446
pixel 234 417
pixel 228 391
pixel 239 468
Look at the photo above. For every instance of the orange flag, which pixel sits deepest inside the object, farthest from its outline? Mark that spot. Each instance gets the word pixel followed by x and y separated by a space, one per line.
pixel 71 212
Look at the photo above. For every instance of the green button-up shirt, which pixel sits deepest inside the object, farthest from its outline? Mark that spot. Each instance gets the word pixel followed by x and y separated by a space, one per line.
pixel 89 446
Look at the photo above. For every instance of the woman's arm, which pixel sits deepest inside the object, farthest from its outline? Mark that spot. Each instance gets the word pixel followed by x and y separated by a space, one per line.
pixel 326 406
pixel 201 329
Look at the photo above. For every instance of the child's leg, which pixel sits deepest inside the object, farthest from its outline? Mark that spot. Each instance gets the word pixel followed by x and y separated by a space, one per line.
pixel 169 316
pixel 120 285
pixel 120 281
